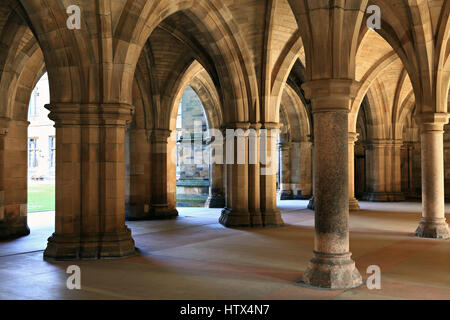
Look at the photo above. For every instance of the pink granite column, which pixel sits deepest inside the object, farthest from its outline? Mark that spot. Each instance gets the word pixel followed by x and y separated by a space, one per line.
pixel 331 265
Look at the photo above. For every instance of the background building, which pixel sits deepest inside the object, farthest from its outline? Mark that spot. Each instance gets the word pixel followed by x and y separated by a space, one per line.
pixel 41 134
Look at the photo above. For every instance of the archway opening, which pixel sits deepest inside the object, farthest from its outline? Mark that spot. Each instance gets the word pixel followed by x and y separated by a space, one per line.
pixel 41 157
pixel 193 169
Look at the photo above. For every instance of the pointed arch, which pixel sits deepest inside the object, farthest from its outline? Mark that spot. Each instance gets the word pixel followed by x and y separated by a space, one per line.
pixel 231 56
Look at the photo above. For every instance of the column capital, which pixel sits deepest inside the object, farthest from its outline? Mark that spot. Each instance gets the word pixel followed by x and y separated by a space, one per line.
pixel 285 145
pixel 407 145
pixel 397 143
pixel 306 143
pixel 160 135
pixel 432 121
pixel 236 125
pixel 352 137
pixel 4 125
pixel 242 126
pixel 148 135
pixel 381 143
pixel 90 114
pixel 256 126
pixel 331 95
pixel 304 139
pixel 271 126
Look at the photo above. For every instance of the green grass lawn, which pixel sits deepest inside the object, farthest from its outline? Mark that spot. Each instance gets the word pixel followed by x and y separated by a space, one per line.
pixel 41 197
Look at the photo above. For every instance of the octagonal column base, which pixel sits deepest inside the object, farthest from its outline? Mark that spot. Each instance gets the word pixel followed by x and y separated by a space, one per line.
pixel 272 218
pixel 162 212
pixel 137 212
pixel 300 196
pixel 286 195
pixel 215 202
pixel 90 246
pixel 235 219
pixel 353 204
pixel 14 228
pixel 311 205
pixel 436 229
pixel 332 271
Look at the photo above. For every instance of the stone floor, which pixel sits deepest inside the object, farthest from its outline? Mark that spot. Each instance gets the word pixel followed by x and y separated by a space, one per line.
pixel 194 257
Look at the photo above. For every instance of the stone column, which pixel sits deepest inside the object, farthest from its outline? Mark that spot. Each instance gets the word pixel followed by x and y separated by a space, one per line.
pixel 433 224
pixel 331 266
pixel 406 165
pixel 395 186
pixel 417 169
pixel 14 161
pixel 410 169
pixel 296 170
pixel 236 212
pixel 353 202
pixel 3 132
pixel 305 171
pixel 311 205
pixel 256 183
pixel 139 201
pixel 216 197
pixel 163 193
pixel 271 216
pixel 286 192
pixel 90 182
pixel 375 171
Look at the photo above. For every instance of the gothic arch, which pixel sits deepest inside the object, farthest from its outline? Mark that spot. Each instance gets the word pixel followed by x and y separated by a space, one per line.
pixel 216 23
pixel 196 77
pixel 296 115
pixel 419 35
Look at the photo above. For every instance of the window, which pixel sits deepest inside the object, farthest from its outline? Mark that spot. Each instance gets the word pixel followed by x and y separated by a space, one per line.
pixel 32 110
pixel 51 151
pixel 32 153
